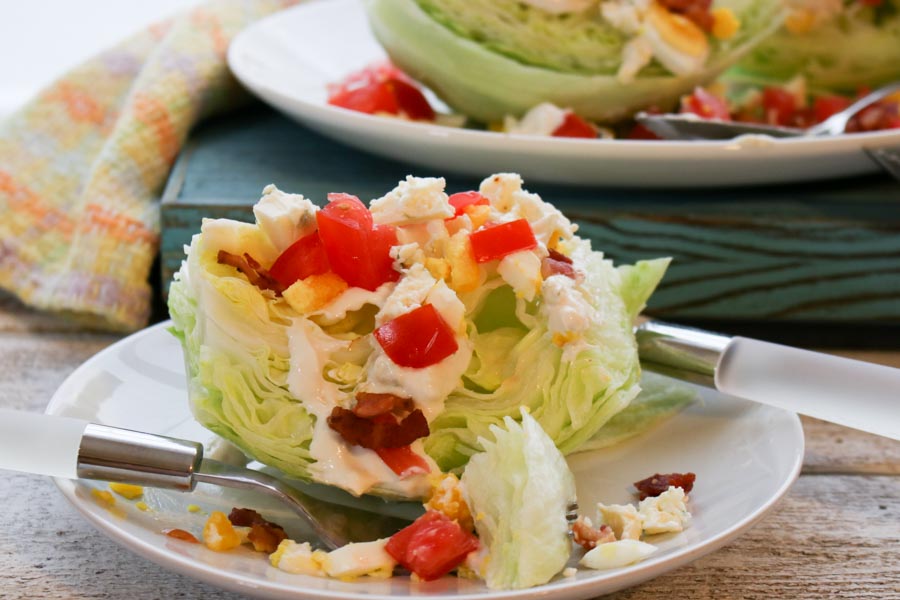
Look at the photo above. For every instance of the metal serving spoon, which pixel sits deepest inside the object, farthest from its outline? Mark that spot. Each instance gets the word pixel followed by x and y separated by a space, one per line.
pixel 688 126
pixel 75 449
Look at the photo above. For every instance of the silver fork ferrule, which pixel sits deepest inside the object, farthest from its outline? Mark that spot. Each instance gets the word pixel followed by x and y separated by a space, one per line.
pixel 113 454
pixel 683 352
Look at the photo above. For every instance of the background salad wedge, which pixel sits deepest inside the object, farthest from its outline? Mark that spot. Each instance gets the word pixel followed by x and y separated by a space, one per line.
pixel 487 81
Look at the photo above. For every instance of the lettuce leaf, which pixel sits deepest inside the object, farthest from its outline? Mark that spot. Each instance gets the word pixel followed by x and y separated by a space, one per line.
pixel 520 487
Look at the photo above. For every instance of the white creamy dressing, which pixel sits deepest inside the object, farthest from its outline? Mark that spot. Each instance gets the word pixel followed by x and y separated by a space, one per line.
pixel 569 313
pixel 352 468
pixel 353 299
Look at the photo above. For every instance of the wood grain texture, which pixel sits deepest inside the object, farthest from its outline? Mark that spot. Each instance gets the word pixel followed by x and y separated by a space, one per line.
pixel 831 537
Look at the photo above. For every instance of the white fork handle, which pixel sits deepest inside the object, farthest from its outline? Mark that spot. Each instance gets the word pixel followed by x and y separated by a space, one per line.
pixel 40 444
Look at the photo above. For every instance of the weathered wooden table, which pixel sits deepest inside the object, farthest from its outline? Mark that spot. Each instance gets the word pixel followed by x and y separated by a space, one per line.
pixel 835 535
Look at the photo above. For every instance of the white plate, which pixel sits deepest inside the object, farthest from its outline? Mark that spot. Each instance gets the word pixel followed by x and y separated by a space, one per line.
pixel 745 456
pixel 288 59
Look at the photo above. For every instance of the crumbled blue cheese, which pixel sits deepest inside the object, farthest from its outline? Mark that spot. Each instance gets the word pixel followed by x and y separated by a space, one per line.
pixel 414 200
pixel 284 218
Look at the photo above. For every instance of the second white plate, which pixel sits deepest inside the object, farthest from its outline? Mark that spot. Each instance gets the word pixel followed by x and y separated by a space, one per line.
pixel 289 58
pixel 745 456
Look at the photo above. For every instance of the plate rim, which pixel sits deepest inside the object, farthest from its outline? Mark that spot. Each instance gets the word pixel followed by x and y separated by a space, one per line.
pixel 662 148
pixel 238 582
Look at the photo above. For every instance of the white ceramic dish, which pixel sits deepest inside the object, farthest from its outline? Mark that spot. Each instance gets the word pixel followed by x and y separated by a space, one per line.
pixel 745 456
pixel 289 58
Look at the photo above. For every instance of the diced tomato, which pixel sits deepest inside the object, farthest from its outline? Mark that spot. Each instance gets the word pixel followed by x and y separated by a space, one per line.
pixel 779 106
pixel 576 127
pixel 639 132
pixel 412 101
pixel 461 200
pixel 358 250
pixel 881 115
pixel 378 97
pixel 417 339
pixel 825 106
pixel 432 546
pixel 403 461
pixel 381 88
pixel 706 105
pixel 303 258
pixel 496 241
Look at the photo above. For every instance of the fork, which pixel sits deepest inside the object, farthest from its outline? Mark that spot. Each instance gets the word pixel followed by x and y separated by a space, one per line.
pixel 75 449
pixel 691 127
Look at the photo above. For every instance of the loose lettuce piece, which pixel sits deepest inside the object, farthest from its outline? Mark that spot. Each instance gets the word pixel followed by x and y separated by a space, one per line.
pixel 858 48
pixel 491 58
pixel 520 488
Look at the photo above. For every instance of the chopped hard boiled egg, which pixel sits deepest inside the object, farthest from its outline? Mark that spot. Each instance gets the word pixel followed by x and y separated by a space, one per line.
pixel 356 560
pixel 296 558
pixel 679 44
pixel 624 520
pixel 346 562
pixel 617 554
pixel 127 490
pixel 522 271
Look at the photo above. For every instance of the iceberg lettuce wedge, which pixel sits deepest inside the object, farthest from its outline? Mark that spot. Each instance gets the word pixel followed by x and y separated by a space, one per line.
pixel 860 47
pixel 488 59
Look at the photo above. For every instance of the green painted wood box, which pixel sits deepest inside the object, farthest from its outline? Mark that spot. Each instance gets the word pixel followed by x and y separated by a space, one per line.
pixel 824 257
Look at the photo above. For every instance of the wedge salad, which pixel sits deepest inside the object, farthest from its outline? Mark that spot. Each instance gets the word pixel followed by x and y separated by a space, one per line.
pixel 383 348
pixel 369 348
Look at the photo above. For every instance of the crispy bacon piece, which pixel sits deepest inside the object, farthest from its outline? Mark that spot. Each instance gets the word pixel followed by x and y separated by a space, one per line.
pixel 693 10
pixel 252 269
pixel 657 484
pixel 181 534
pixel 264 535
pixel 370 405
pixel 588 537
pixel 557 264
pixel 379 432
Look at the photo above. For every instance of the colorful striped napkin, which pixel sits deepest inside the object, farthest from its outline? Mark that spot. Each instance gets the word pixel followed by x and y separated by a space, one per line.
pixel 82 165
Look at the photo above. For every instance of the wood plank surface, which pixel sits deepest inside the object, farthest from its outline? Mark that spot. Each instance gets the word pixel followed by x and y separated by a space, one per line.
pixel 835 535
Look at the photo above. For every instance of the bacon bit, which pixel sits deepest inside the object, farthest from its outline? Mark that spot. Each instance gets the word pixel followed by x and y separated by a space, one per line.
pixel 264 535
pixel 657 484
pixel 588 537
pixel 380 433
pixel 697 11
pixel 181 534
pixel 252 269
pixel 557 264
pixel 371 405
